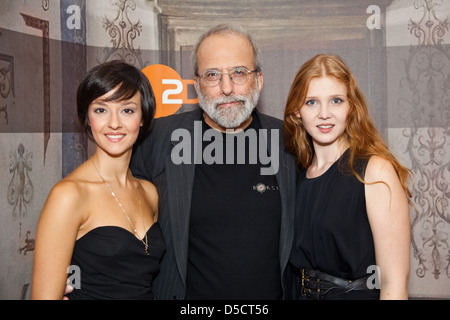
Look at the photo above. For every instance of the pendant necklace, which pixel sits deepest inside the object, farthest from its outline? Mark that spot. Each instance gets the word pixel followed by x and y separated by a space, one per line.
pixel 123 210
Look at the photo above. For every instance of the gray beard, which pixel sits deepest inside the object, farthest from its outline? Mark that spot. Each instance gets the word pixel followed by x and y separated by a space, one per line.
pixel 229 117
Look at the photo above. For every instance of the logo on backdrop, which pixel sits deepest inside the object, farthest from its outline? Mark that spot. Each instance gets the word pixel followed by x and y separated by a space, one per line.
pixel 170 90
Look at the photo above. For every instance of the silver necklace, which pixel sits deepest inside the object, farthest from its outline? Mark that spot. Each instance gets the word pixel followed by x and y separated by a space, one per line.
pixel 123 210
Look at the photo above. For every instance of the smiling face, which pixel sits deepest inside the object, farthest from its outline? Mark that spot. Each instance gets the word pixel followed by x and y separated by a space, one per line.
pixel 324 114
pixel 115 124
pixel 229 105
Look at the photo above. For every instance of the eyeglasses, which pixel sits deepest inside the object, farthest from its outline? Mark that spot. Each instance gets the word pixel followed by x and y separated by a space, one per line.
pixel 212 78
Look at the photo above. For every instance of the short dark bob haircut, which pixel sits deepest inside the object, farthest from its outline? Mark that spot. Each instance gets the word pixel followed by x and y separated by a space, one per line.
pixel 109 75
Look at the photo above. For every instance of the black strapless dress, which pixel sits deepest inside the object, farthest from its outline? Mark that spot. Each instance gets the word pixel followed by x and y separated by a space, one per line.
pixel 114 265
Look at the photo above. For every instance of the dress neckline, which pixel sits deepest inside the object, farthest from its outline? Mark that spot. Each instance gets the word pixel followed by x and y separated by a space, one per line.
pixel 329 168
pixel 120 228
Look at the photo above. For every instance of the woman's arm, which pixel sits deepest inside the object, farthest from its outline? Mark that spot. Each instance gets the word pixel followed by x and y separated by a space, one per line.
pixel 388 213
pixel 55 238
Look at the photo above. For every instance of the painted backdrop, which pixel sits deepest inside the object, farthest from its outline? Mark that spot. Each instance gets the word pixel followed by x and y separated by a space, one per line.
pixel 398 49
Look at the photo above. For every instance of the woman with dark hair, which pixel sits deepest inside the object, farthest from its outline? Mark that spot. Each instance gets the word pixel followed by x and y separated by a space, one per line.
pixel 99 222
pixel 352 230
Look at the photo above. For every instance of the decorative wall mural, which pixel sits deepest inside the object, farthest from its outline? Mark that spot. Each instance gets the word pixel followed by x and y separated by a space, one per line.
pixel 405 66
pixel 20 189
pixel 25 289
pixel 45 5
pixel 123 32
pixel 44 26
pixel 6 86
pixel 74 61
pixel 426 100
pixel 29 244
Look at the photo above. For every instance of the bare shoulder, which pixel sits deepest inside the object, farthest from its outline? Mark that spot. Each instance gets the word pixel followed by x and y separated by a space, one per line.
pixel 68 196
pixel 65 192
pixel 383 184
pixel 378 169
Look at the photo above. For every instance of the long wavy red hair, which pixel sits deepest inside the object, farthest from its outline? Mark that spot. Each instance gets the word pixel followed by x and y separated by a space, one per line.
pixel 361 134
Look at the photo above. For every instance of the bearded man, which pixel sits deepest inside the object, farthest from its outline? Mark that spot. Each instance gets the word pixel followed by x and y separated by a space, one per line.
pixel 228 228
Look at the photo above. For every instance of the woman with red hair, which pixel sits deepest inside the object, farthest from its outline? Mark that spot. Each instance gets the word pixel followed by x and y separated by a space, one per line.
pixel 352 209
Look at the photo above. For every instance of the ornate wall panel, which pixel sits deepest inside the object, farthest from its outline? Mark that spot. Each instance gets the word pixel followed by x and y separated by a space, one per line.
pixel 73 64
pixel 398 49
pixel 6 86
pixel 288 33
pixel 419 116
pixel 29 141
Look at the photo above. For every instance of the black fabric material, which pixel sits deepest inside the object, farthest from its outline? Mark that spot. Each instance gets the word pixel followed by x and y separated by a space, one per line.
pixel 234 228
pixel 332 231
pixel 152 160
pixel 114 264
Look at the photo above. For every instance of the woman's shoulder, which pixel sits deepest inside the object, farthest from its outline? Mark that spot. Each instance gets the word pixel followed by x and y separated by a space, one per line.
pixel 72 188
pixel 66 188
pixel 379 168
pixel 65 203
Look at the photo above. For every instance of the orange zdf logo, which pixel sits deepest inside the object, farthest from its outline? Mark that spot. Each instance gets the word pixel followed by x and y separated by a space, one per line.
pixel 170 90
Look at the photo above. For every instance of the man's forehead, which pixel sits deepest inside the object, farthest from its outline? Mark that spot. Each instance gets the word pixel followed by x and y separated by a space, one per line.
pixel 225 51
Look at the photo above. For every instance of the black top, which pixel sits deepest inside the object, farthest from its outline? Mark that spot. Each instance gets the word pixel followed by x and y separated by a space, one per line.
pixel 332 231
pixel 234 232
pixel 114 265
